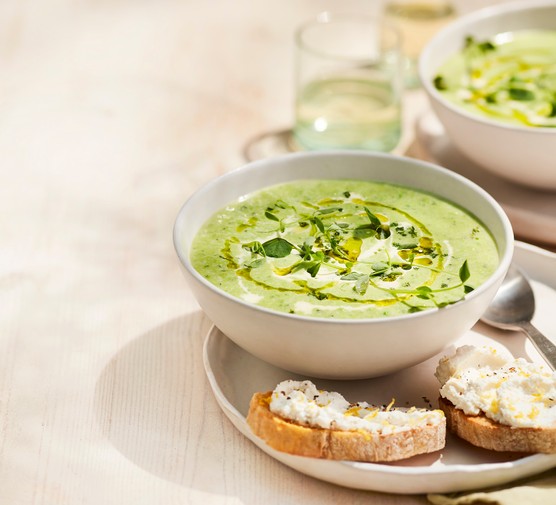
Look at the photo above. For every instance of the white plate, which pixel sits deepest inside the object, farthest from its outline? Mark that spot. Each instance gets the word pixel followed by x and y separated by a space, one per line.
pixel 531 211
pixel 235 375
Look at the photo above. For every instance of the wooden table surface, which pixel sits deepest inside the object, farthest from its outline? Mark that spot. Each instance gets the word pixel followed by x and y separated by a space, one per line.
pixel 111 114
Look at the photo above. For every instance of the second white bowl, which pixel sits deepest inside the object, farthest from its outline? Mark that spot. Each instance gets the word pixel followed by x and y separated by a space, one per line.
pixel 526 155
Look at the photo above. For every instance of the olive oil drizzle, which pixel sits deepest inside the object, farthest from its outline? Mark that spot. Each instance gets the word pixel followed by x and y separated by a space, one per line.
pixel 334 238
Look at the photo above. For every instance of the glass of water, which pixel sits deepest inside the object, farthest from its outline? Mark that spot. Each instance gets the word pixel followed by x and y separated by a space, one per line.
pixel 348 84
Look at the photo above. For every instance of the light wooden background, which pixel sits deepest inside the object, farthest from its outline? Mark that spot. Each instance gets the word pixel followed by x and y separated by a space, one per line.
pixel 112 112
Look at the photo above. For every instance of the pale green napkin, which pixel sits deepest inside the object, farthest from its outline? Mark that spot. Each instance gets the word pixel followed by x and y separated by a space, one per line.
pixel 538 490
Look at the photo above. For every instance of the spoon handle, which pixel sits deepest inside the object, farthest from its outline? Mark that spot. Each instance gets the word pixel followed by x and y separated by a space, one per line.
pixel 543 344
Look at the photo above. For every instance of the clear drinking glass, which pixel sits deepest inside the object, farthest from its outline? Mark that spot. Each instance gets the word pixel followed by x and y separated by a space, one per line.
pixel 348 84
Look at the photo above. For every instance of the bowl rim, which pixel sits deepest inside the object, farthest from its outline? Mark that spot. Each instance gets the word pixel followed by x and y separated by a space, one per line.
pixel 505 256
pixel 466 20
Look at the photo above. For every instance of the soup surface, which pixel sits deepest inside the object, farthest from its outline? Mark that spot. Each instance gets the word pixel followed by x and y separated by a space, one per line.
pixel 511 78
pixel 344 249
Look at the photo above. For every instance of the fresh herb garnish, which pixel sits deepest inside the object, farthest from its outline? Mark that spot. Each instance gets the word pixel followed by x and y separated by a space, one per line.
pixel 277 248
pixel 440 83
pixel 470 43
pixel 464 273
pixel 334 237
pixel 521 94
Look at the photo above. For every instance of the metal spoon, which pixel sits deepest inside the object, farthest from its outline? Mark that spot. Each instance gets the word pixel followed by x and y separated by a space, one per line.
pixel 513 307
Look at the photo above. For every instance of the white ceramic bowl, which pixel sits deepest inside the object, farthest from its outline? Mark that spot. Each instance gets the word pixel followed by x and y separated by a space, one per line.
pixel 333 348
pixel 526 155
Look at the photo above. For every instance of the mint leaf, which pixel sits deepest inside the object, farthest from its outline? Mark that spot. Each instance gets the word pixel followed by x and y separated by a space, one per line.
pixel 521 94
pixel 318 223
pixel 314 268
pixel 330 210
pixel 423 292
pixel 379 266
pixel 362 284
pixel 271 216
pixel 440 83
pixel 464 273
pixel 375 221
pixel 277 247
pixel 353 276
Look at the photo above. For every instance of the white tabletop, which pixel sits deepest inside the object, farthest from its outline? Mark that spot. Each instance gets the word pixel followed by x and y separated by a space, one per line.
pixel 111 114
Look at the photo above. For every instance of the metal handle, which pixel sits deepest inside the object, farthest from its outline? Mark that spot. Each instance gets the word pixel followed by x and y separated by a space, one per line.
pixel 543 344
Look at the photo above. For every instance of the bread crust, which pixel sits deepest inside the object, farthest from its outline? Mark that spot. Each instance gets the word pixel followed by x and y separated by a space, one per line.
pixel 481 431
pixel 287 436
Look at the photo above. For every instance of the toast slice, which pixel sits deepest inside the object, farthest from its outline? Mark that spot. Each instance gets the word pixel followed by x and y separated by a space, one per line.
pixel 481 431
pixel 360 445
pixel 498 402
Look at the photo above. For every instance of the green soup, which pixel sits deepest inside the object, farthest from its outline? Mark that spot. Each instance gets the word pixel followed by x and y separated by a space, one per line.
pixel 510 78
pixel 344 249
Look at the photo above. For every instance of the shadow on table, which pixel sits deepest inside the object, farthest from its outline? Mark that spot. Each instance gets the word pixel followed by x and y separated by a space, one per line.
pixel 155 406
